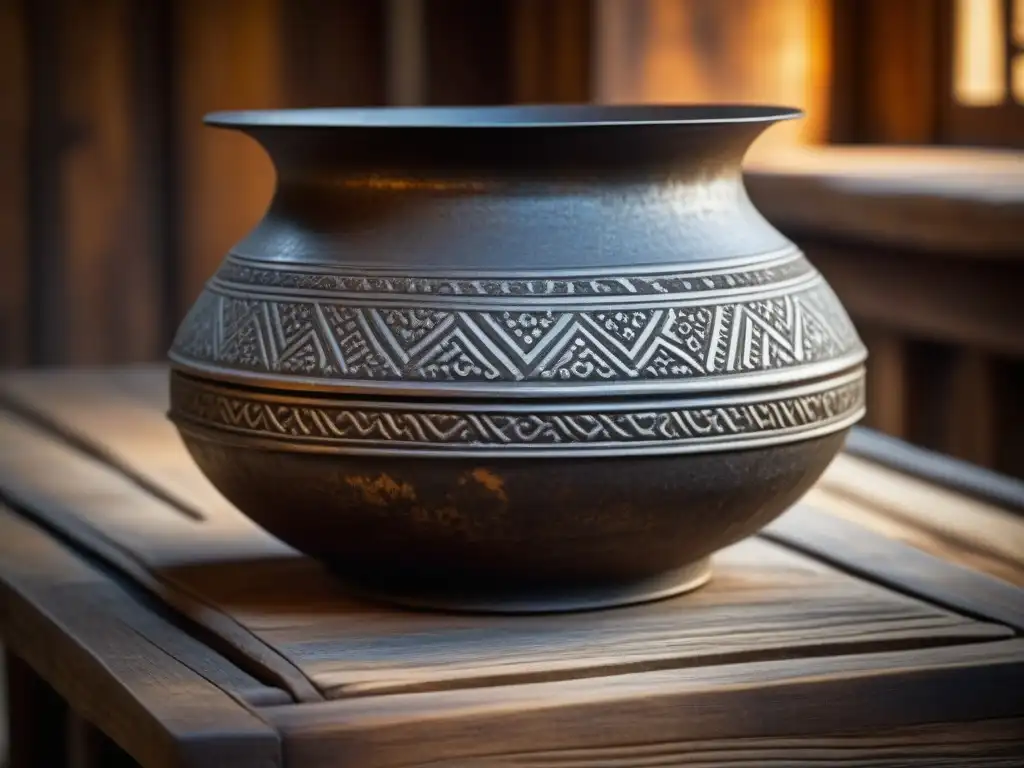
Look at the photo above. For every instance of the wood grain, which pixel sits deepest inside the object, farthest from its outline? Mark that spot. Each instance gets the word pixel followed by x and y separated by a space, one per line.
pixel 767 51
pixel 229 57
pixel 158 710
pixel 144 538
pixel 332 52
pixel 552 51
pixel 887 562
pixel 939 200
pixel 887 385
pixel 961 302
pixel 765 602
pixel 31 701
pixel 674 715
pixel 886 75
pixel 971 523
pixel 14 247
pixel 96 295
pixel 939 470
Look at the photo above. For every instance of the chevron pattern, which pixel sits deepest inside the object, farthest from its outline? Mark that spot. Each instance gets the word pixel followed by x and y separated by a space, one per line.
pixel 310 337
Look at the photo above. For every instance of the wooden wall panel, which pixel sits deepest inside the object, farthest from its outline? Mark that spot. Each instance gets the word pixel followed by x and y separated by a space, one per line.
pixel 112 294
pixel 227 56
pixel 95 293
pixel 14 274
pixel 886 71
pixel 333 52
pixel 467 51
pixel 766 51
pixel 551 51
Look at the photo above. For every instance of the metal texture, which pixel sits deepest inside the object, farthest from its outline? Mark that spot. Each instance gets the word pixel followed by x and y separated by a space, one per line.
pixel 440 299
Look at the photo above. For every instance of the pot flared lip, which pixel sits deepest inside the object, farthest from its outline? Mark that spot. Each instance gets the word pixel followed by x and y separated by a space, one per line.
pixel 504 117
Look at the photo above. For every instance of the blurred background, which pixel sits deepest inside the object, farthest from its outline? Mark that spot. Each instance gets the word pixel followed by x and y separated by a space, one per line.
pixel 905 184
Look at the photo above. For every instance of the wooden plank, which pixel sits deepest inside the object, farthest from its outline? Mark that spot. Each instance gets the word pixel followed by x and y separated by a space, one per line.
pixel 149 541
pixel 908 533
pixel 467 52
pixel 971 424
pixel 962 202
pixel 14 111
pixel 551 51
pixel 406 57
pixel 765 601
pixel 332 52
pixel 893 565
pixel 959 476
pixel 88 747
pixel 882 709
pixel 887 385
pixel 99 298
pixel 147 619
pixel 228 56
pixel 773 51
pixel 35 717
pixel 954 301
pixel 158 710
pixel 970 523
pixel 885 79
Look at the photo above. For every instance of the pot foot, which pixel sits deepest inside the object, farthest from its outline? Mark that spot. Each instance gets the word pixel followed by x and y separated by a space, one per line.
pixel 670 584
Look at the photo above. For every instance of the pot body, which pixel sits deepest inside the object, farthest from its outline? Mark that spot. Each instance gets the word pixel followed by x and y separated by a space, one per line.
pixel 514 358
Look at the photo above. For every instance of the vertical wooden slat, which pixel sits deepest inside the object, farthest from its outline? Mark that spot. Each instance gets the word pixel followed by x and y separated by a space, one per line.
pixel 14 287
pixel 88 747
pixel 467 53
pixel 333 52
pixel 47 308
pixel 227 56
pixel 901 55
pixel 155 160
pixel 772 51
pixel 113 298
pixel 36 715
pixel 406 57
pixel 551 50
pixel 1009 409
pixel 96 296
pixel 887 391
pixel 971 416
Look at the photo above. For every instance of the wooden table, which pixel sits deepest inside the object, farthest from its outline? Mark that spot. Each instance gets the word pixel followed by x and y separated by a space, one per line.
pixel 145 619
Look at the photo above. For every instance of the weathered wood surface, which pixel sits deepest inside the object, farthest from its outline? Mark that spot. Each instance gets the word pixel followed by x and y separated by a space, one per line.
pixel 968 202
pixel 765 601
pixel 112 662
pixel 907 649
pixel 866 710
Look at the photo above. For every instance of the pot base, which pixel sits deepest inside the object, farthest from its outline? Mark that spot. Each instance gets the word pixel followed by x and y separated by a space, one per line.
pixel 671 584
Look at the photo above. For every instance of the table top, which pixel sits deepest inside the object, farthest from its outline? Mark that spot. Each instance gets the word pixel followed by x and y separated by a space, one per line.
pixel 878 621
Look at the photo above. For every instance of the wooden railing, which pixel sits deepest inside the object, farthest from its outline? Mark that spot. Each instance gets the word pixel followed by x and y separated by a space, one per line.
pixel 925 247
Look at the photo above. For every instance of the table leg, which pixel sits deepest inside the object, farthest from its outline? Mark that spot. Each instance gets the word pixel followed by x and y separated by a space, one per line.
pixel 88 747
pixel 36 717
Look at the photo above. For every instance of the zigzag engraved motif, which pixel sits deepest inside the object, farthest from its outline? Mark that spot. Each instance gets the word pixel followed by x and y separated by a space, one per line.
pixel 240 273
pixel 354 423
pixel 326 339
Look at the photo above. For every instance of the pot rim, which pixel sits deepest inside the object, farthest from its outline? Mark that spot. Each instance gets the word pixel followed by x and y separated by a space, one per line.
pixel 519 116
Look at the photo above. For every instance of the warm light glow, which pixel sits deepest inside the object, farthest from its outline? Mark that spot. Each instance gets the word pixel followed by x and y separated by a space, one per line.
pixel 979 55
pixel 1018 22
pixel 1017 72
pixel 760 51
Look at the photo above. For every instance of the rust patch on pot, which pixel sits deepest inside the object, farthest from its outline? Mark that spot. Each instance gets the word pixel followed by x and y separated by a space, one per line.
pixel 492 482
pixel 382 490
